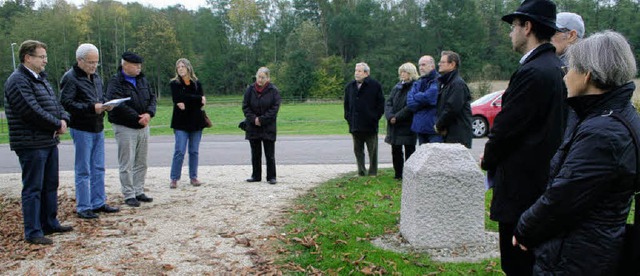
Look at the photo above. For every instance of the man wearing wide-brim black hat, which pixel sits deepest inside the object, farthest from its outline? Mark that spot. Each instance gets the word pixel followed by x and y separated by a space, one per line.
pixel 528 130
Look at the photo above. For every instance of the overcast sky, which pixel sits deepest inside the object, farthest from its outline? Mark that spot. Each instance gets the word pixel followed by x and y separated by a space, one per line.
pixel 189 4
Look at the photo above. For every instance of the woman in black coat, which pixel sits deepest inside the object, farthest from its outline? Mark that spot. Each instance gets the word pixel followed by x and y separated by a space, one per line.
pixel 187 120
pixel 399 119
pixel 260 106
pixel 576 227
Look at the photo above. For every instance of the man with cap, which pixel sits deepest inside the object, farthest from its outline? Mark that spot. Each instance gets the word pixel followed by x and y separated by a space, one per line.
pixel 528 130
pixel 130 121
pixel 570 31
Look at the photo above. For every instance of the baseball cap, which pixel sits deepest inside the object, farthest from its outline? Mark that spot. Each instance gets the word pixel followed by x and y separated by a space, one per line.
pixel 570 21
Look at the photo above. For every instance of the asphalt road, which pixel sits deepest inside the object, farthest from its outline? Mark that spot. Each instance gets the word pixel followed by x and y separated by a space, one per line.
pixel 232 150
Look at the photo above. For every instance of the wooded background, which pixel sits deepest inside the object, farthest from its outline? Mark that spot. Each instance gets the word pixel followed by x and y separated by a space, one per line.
pixel 311 46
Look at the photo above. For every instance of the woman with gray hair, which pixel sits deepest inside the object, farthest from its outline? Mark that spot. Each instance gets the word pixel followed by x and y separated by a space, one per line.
pixel 399 119
pixel 577 226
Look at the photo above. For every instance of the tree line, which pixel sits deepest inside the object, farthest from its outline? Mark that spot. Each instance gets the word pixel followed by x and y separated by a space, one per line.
pixel 311 46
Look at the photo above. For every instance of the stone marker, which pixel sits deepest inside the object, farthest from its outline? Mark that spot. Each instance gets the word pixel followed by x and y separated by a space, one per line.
pixel 443 199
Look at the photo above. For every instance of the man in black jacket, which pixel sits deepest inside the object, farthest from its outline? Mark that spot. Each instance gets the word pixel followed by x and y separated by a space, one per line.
pixel 528 130
pixel 130 122
pixel 454 102
pixel 82 96
pixel 363 108
pixel 36 119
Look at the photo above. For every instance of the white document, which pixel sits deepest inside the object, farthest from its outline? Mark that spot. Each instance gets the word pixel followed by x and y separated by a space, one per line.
pixel 116 102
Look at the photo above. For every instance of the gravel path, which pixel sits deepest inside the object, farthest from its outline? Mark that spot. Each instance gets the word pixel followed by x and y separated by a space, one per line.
pixel 215 229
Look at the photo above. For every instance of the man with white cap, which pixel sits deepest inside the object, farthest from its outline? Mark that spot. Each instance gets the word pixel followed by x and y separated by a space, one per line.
pixel 570 30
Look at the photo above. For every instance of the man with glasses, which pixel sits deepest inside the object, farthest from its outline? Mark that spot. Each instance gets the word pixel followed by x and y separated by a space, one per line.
pixel 570 30
pixel 36 119
pixel 130 121
pixel 528 130
pixel 454 102
pixel 83 97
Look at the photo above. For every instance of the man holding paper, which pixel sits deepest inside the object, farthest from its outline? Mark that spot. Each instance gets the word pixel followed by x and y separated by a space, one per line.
pixel 82 96
pixel 130 121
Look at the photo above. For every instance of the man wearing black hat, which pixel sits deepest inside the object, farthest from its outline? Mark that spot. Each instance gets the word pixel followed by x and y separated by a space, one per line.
pixel 130 121
pixel 528 130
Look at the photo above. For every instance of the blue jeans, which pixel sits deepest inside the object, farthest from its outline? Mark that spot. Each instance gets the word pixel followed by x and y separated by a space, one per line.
pixel 182 137
pixel 89 169
pixel 429 138
pixel 39 190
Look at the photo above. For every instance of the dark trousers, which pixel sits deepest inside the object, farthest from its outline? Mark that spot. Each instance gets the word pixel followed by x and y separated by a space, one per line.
pixel 39 190
pixel 256 158
pixel 399 157
pixel 371 140
pixel 514 261
pixel 429 138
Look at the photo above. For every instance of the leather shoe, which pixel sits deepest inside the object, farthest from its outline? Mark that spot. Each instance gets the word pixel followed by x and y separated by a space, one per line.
pixel 59 229
pixel 252 180
pixel 106 209
pixel 39 240
pixel 173 184
pixel 144 198
pixel 132 202
pixel 195 182
pixel 87 214
pixel 272 181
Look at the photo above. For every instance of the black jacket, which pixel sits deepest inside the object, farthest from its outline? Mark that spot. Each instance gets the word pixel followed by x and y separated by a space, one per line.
pixel 192 117
pixel 363 107
pixel 396 106
pixel 454 109
pixel 525 134
pixel 79 93
pixel 32 110
pixel 265 106
pixel 143 100
pixel 576 227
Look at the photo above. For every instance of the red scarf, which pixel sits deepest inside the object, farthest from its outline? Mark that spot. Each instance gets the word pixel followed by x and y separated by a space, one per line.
pixel 258 88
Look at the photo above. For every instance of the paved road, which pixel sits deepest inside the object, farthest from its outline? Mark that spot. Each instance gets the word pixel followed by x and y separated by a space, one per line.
pixel 231 150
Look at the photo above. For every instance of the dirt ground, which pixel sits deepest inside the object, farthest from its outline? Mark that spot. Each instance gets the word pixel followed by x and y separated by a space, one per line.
pixel 220 228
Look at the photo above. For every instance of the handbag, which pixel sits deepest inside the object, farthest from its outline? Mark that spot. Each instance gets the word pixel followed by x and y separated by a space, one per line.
pixel 243 125
pixel 630 259
pixel 207 121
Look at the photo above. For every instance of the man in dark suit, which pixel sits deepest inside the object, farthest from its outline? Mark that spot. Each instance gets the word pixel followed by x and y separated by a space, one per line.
pixel 528 130
pixel 454 102
pixel 363 108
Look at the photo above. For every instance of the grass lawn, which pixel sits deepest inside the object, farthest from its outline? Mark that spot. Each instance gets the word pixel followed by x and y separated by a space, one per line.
pixel 321 118
pixel 330 229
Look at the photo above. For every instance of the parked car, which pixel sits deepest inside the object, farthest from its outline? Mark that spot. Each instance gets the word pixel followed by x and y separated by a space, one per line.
pixel 484 110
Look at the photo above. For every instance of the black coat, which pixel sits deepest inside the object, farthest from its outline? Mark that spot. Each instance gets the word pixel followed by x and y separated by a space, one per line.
pixel 576 227
pixel 32 110
pixel 525 134
pixel 454 109
pixel 143 100
pixel 396 106
pixel 363 107
pixel 265 106
pixel 79 93
pixel 192 117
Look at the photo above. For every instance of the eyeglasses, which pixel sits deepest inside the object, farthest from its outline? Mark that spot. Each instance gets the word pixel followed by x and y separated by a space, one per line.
pixel 565 69
pixel 92 63
pixel 42 56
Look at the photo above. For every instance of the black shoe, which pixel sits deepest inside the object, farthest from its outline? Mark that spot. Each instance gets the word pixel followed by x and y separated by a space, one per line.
pixel 132 202
pixel 39 240
pixel 87 214
pixel 144 198
pixel 272 181
pixel 59 229
pixel 106 209
pixel 253 180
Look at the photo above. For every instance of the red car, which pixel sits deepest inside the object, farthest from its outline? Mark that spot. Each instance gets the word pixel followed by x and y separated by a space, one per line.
pixel 484 110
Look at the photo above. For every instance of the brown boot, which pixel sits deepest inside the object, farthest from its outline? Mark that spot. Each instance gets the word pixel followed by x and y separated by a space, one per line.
pixel 195 182
pixel 174 184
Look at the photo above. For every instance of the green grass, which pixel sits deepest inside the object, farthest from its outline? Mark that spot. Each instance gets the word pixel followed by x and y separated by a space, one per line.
pixel 331 227
pixel 322 118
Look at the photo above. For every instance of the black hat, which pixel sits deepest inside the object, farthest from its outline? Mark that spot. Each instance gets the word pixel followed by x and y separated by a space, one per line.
pixel 541 11
pixel 131 57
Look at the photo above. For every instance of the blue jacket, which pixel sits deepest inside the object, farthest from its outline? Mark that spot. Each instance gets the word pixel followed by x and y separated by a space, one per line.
pixel 422 100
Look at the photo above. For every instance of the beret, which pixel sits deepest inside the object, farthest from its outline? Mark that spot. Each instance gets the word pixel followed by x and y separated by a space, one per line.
pixel 131 57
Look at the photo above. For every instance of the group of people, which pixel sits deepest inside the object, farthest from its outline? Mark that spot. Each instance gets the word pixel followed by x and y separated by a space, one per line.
pixel 560 157
pixel 434 107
